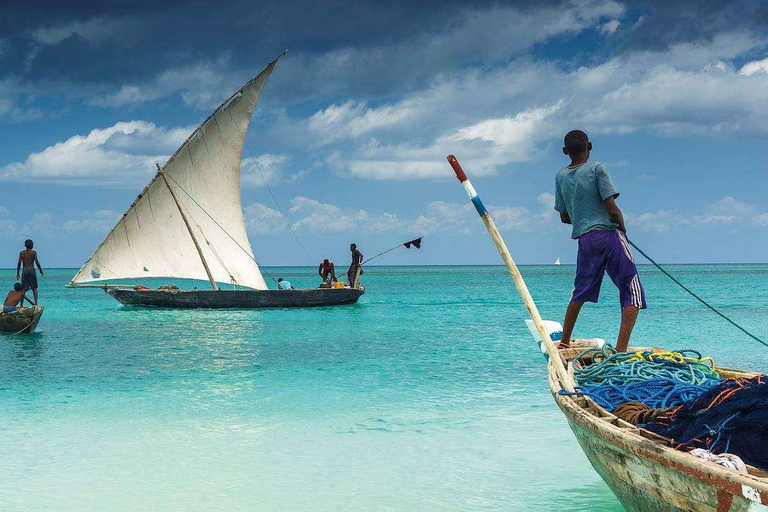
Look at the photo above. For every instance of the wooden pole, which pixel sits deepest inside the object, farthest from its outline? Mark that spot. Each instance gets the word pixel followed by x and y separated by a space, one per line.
pixel 356 284
pixel 189 228
pixel 554 356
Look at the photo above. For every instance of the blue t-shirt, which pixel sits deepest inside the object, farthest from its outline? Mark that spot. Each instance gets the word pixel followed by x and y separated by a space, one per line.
pixel 285 285
pixel 580 191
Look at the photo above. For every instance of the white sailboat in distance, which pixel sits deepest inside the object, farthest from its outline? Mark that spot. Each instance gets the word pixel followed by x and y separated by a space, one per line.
pixel 188 223
pixel 557 261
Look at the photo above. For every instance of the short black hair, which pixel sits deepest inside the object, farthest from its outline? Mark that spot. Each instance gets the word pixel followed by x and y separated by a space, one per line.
pixel 326 260
pixel 28 243
pixel 279 279
pixel 353 245
pixel 575 142
pixel 17 287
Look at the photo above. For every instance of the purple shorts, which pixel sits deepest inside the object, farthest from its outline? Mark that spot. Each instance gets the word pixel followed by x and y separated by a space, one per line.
pixel 607 251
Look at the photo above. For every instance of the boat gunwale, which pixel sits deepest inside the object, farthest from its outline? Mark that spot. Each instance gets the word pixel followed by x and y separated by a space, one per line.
pixel 601 422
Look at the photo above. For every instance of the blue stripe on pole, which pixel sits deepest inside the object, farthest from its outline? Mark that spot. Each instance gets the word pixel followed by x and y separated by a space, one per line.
pixel 479 206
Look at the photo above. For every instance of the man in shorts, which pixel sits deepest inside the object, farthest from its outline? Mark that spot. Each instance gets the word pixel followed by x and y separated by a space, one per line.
pixel 586 198
pixel 28 260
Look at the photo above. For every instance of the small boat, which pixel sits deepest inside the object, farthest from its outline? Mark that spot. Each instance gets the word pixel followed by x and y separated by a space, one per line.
pixel 188 223
pixel 23 320
pixel 641 467
pixel 557 261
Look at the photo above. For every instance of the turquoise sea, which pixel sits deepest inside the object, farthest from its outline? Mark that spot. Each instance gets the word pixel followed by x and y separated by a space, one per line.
pixel 427 395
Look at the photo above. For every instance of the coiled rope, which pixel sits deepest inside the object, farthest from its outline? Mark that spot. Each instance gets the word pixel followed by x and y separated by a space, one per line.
pixel 656 379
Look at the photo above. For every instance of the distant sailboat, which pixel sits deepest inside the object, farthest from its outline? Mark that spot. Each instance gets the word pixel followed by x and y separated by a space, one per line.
pixel 188 223
pixel 557 261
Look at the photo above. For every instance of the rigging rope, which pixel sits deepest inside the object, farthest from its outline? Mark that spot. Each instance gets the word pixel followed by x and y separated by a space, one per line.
pixel 681 285
pixel 220 226
pixel 285 217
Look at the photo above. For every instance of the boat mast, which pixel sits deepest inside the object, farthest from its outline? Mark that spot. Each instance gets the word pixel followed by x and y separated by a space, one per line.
pixel 552 352
pixel 189 228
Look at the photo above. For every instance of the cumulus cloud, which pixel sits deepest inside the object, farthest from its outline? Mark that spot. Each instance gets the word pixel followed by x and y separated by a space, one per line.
pixel 723 212
pixel 113 155
pixel 312 216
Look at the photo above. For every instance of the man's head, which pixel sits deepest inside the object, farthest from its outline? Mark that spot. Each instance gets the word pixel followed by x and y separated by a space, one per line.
pixel 29 243
pixel 325 261
pixel 352 247
pixel 576 144
pixel 17 287
pixel 279 279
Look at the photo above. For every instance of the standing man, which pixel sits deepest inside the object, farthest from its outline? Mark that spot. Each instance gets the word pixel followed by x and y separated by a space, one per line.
pixel 586 198
pixel 326 269
pixel 357 260
pixel 28 259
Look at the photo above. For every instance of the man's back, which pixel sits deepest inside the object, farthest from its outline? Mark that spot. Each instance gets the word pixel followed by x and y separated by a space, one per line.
pixel 581 191
pixel 27 258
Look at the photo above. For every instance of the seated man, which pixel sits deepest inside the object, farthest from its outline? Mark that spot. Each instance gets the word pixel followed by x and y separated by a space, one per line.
pixel 326 269
pixel 284 285
pixel 15 299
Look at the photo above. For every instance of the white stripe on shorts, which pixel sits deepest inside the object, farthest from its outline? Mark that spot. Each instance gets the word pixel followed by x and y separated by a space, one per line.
pixel 626 246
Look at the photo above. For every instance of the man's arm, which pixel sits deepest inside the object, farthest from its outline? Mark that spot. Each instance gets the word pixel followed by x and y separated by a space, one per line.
pixel 18 267
pixel 565 218
pixel 614 212
pixel 39 265
pixel 320 270
pixel 23 298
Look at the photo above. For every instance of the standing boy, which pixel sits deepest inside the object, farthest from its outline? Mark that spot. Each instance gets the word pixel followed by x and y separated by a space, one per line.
pixel 28 259
pixel 586 198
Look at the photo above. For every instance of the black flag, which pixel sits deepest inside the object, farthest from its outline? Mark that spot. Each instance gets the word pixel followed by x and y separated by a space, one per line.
pixel 416 243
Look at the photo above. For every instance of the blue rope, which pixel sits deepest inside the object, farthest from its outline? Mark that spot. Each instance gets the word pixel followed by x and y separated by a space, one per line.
pixel 658 380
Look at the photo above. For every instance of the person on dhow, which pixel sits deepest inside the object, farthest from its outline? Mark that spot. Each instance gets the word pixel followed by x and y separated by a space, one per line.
pixel 586 198
pixel 357 260
pixel 284 285
pixel 327 269
pixel 15 299
pixel 28 260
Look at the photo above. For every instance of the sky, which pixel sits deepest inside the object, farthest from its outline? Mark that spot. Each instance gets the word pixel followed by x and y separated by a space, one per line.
pixel 353 128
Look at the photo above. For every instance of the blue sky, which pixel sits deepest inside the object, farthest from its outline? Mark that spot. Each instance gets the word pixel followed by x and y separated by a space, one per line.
pixel 354 126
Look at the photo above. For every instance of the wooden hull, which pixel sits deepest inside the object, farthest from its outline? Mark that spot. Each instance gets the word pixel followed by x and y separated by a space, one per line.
pixel 22 320
pixel 236 299
pixel 646 474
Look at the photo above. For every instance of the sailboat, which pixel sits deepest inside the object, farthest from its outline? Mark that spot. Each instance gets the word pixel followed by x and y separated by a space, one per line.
pixel 643 469
pixel 188 223
pixel 557 261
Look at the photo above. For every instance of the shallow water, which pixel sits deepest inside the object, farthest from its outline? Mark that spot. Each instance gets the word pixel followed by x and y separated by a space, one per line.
pixel 428 395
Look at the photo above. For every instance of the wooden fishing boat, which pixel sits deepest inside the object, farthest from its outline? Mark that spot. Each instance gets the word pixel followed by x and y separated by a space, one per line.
pixel 188 223
pixel 23 320
pixel 237 299
pixel 641 468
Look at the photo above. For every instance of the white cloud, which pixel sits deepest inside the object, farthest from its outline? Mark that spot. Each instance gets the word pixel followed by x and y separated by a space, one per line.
pixel 609 27
pixel 756 66
pixel 124 153
pixel 311 216
pixel 100 221
pixel 255 170
pixel 724 212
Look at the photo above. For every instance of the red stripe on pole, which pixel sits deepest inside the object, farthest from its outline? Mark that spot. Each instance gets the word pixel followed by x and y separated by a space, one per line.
pixel 457 168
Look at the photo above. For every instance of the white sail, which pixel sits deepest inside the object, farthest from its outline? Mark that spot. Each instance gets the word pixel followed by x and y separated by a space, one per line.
pixel 151 239
pixel 557 261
